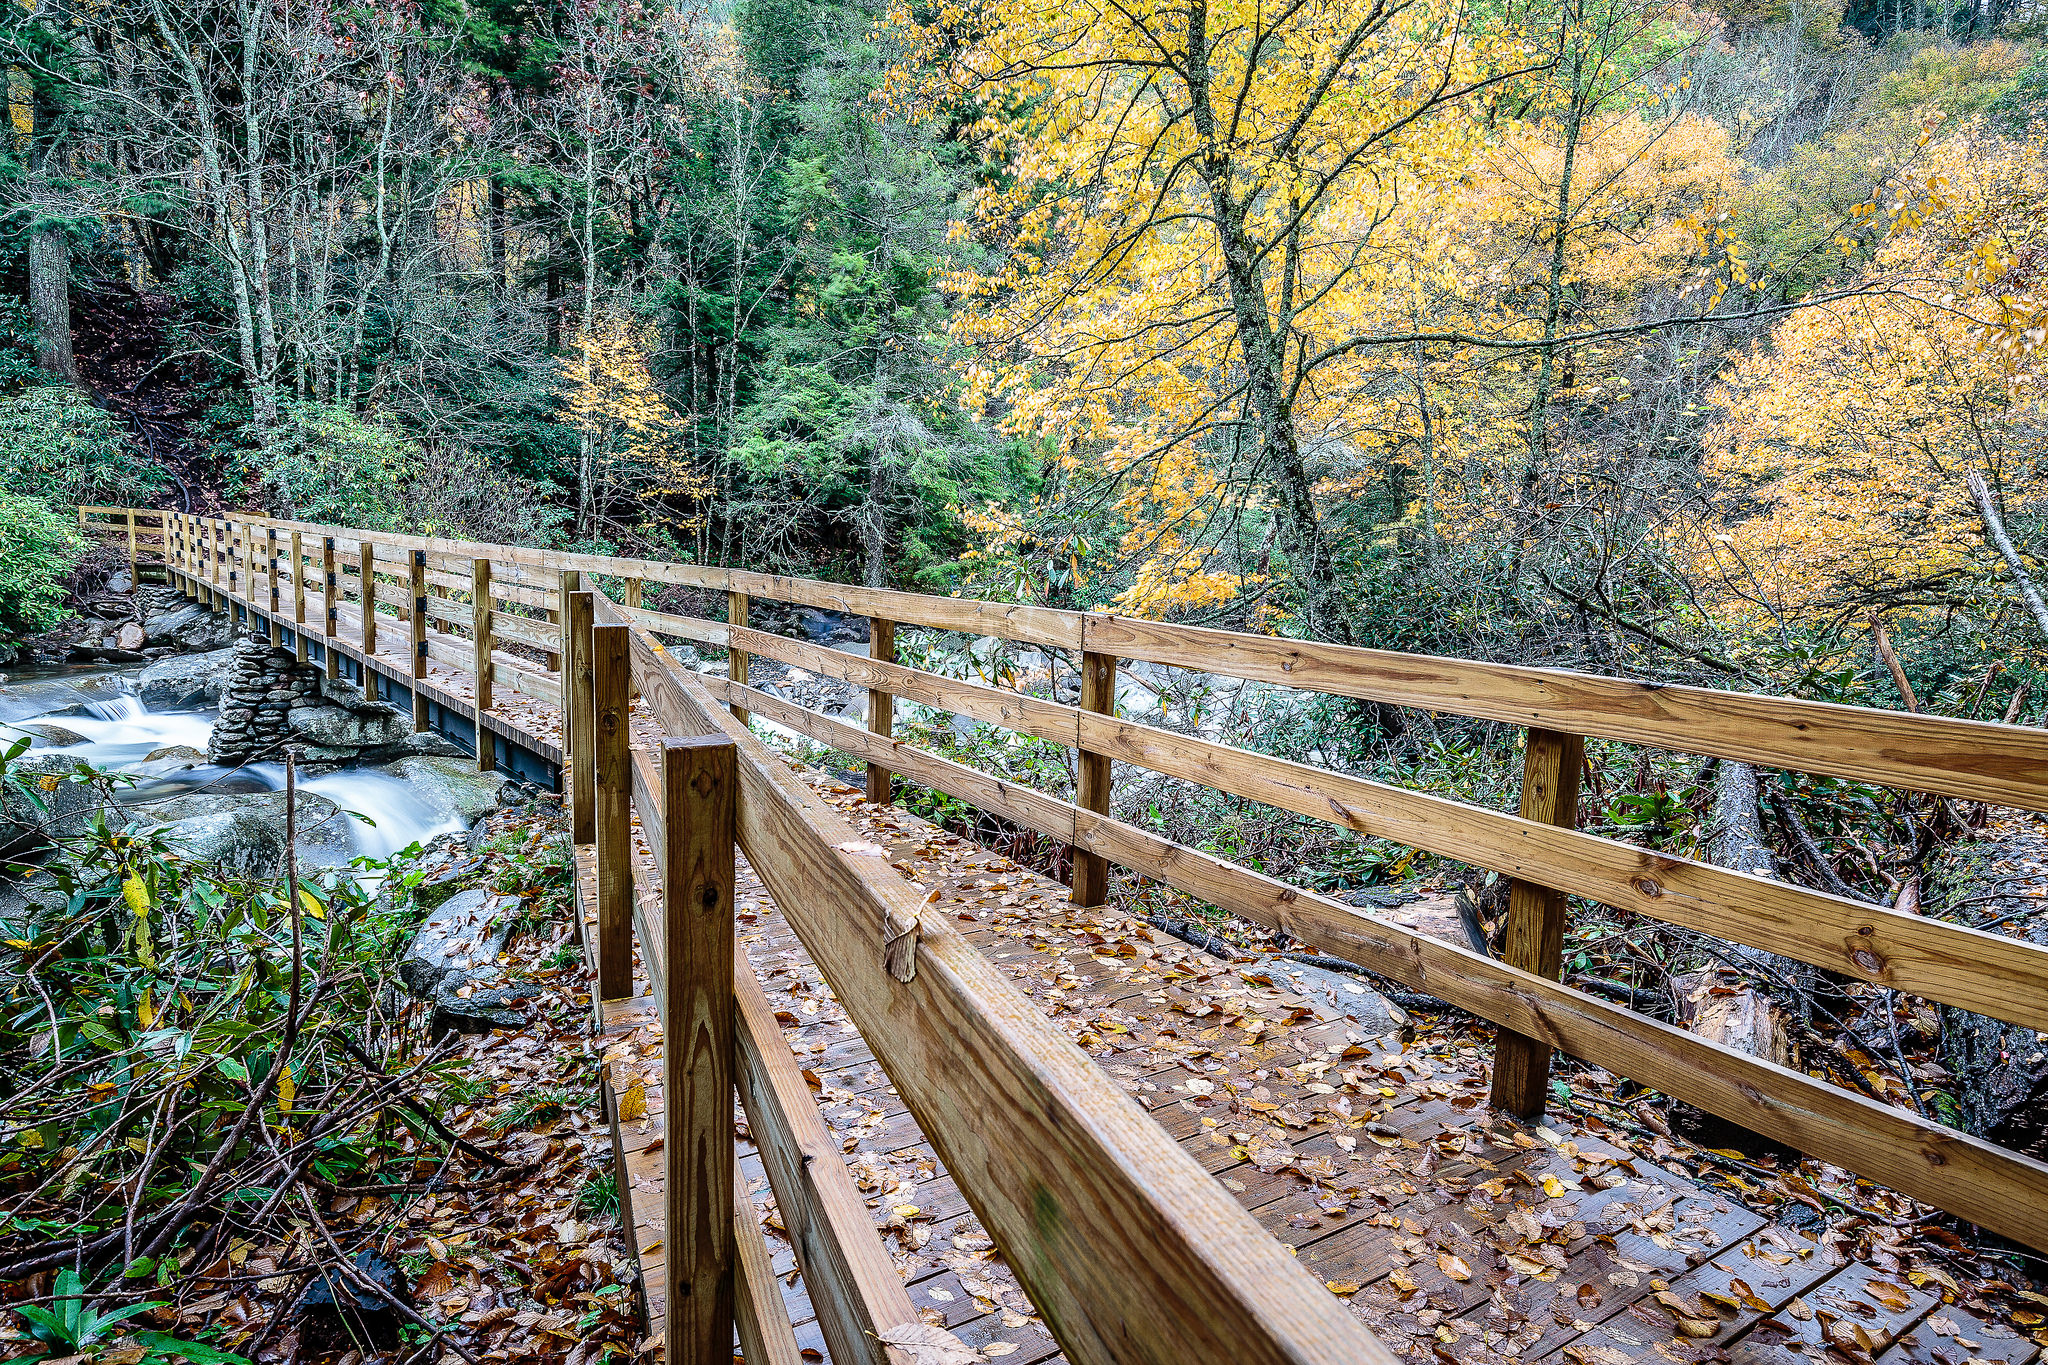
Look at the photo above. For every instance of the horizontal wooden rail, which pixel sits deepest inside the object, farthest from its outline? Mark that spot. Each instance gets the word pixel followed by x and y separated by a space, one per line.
pixel 1967 1176
pixel 2005 978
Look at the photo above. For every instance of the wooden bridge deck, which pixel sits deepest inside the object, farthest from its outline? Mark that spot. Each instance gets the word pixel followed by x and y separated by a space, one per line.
pixel 1457 1234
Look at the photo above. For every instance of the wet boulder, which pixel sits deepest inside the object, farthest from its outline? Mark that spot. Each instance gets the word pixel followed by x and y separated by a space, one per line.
pixel 50 734
pixel 452 788
pixel 453 963
pixel 190 627
pixel 59 809
pixel 329 725
pixel 243 834
pixel 185 681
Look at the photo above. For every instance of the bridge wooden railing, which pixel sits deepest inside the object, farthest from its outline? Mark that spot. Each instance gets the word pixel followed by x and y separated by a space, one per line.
pixel 440 591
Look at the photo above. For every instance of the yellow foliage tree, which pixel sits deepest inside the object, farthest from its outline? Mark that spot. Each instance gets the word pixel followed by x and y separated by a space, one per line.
pixel 634 445
pixel 1191 220
pixel 1860 425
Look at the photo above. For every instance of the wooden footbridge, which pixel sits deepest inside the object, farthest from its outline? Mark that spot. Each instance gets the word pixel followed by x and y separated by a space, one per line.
pixel 1267 1184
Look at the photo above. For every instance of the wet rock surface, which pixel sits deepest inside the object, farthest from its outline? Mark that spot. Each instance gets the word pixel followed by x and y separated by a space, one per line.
pixel 185 681
pixel 59 810
pixel 453 962
pixel 452 787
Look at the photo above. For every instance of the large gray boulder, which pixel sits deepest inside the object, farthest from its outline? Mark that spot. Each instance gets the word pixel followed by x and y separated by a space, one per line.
pixel 243 834
pixel 185 682
pixel 452 787
pixel 190 627
pixel 50 734
pixel 461 937
pixel 239 842
pixel 329 725
pixel 453 963
pixel 62 812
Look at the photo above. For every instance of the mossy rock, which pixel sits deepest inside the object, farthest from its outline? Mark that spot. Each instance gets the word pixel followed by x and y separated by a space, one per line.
pixel 432 895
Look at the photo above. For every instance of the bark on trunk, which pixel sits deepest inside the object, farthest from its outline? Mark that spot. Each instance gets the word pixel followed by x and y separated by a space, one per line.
pixel 49 261
pixel 49 298
pixel 1994 530
pixel 1728 1004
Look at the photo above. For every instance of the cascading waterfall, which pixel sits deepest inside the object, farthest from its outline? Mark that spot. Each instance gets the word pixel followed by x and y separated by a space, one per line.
pixel 117 731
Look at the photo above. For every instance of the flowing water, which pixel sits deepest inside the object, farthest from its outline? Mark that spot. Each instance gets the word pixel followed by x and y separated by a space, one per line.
pixel 97 717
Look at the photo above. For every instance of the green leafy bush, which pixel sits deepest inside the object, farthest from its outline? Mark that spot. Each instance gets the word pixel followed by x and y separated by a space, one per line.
pixel 37 552
pixel 57 446
pixel 17 346
pixel 325 463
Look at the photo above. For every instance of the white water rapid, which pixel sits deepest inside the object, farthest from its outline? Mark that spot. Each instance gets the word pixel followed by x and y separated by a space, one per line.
pixel 97 718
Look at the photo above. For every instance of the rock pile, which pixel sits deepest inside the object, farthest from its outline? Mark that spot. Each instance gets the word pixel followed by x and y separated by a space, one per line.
pixel 256 702
pixel 269 700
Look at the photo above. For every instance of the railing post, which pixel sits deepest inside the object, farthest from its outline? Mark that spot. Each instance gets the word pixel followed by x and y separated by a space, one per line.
pixel 881 707
pixel 1536 916
pixel 736 614
pixel 636 589
pixel 366 588
pixel 419 639
pixel 270 561
pixel 611 692
pixel 577 720
pixel 298 597
pixel 330 615
pixel 569 580
pixel 698 787
pixel 233 534
pixel 134 560
pixel 1091 778
pixel 480 627
pixel 216 552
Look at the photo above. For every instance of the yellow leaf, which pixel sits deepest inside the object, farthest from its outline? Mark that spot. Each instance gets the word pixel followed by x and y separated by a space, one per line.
pixel 1453 1266
pixel 287 1091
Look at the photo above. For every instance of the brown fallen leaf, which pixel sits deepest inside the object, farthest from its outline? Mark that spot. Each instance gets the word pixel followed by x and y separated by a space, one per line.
pixel 1453 1266
pixel 920 1343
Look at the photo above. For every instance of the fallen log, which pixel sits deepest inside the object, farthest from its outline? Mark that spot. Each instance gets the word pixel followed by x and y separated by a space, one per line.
pixel 1723 1003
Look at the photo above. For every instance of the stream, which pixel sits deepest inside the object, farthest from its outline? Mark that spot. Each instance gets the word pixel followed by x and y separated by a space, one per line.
pixel 94 715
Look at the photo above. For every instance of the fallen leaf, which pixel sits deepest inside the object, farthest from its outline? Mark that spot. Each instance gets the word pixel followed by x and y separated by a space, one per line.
pixel 920 1343
pixel 1453 1266
pixel 633 1104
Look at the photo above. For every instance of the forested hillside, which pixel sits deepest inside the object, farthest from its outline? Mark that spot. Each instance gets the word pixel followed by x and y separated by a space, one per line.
pixel 1626 335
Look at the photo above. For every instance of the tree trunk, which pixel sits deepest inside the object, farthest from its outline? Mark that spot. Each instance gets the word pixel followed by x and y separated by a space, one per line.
pixel 49 298
pixel 49 259
pixel 1723 1003
pixel 1994 530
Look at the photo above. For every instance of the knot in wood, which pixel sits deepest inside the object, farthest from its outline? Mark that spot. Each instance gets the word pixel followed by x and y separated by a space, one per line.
pixel 1867 960
pixel 1649 886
